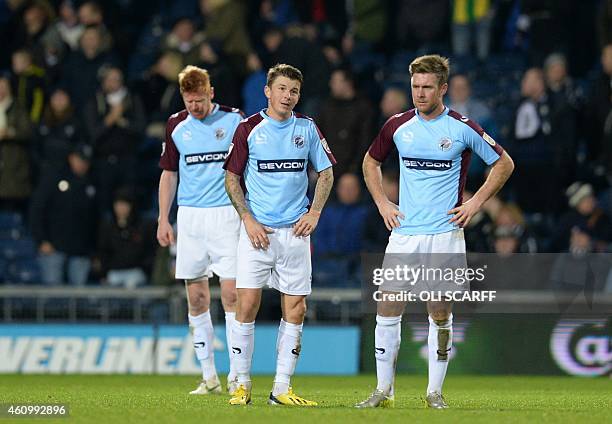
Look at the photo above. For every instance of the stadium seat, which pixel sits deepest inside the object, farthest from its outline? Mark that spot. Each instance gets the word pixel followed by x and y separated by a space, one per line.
pixel 24 271
pixel 10 220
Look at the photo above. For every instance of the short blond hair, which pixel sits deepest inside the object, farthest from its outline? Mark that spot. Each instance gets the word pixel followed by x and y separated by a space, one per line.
pixel 284 70
pixel 192 78
pixel 431 64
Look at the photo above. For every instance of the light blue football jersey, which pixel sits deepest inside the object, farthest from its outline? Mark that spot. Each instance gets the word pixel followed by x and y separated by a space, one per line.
pixel 273 157
pixel 434 158
pixel 197 149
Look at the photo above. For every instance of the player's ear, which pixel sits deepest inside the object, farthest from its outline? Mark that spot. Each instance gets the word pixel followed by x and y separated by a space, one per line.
pixel 212 93
pixel 267 91
pixel 444 88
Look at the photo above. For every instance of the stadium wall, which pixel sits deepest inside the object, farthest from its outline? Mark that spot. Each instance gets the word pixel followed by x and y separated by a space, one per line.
pixel 164 349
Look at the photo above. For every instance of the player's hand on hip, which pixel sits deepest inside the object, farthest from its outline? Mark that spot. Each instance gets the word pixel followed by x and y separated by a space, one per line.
pixel 306 224
pixel 462 215
pixel 258 234
pixel 391 215
pixel 165 233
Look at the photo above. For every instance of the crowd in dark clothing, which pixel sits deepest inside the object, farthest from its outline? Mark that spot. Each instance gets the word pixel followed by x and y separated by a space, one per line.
pixel 96 81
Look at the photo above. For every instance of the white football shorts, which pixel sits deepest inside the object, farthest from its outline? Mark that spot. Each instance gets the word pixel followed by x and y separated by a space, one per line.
pixel 207 241
pixel 284 266
pixel 434 256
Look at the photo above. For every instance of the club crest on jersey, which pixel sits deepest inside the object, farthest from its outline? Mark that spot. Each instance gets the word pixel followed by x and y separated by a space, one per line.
pixel 325 146
pixel 445 143
pixel 187 135
pixel 488 139
pixel 298 140
pixel 220 133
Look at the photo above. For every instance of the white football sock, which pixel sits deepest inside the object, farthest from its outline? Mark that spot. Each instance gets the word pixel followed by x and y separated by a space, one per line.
pixel 288 348
pixel 243 341
pixel 387 338
pixel 230 317
pixel 203 339
pixel 439 341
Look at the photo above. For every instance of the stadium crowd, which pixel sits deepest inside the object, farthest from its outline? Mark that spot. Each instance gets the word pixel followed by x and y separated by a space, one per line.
pixel 86 88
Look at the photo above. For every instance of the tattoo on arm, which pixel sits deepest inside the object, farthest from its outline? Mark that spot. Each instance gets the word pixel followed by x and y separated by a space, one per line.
pixel 322 189
pixel 235 193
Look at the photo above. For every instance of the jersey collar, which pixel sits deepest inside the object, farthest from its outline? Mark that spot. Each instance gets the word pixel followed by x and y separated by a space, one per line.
pixel 441 115
pixel 214 110
pixel 274 122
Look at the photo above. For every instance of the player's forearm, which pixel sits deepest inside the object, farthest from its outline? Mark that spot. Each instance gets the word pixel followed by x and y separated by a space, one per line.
pixel 167 191
pixel 500 172
pixel 235 193
pixel 324 185
pixel 373 179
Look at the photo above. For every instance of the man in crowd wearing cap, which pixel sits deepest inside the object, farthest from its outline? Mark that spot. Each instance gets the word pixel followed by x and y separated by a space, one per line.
pixel 585 217
pixel 63 215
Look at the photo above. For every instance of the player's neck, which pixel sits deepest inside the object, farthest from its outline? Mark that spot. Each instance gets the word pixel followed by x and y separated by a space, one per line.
pixel 280 117
pixel 432 113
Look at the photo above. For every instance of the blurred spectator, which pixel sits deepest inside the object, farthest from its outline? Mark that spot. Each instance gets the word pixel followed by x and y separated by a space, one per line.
pixel 540 135
pixel 125 243
pixel 560 86
pixel 116 121
pixel 36 31
pixel 346 119
pixel 295 49
pixel 479 231
pixel 471 24
pixel 599 126
pixel 341 227
pixel 253 97
pixel 58 134
pixel 183 39
pixel 225 23
pixel 68 25
pixel 213 60
pixel 506 241
pixel 367 22
pixel 461 100
pixel 584 216
pixel 159 91
pixel 511 221
pixel 604 23
pixel 376 233
pixel 394 101
pixel 544 21
pixel 80 70
pixel 63 217
pixel 15 135
pixel 91 14
pixel 421 24
pixel 29 84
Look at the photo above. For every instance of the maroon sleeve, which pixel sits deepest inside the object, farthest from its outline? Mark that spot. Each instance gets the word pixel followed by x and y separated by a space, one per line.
pixel 239 150
pixel 326 148
pixel 170 155
pixel 383 143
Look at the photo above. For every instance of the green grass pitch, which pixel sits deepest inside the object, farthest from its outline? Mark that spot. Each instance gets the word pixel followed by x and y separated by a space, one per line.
pixel 164 399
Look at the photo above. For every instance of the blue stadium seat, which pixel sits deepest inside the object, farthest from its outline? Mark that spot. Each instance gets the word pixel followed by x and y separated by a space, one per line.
pixel 24 271
pixel 10 220
pixel 17 249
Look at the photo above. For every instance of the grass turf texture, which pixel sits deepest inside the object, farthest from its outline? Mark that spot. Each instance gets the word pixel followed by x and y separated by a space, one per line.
pixel 153 399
